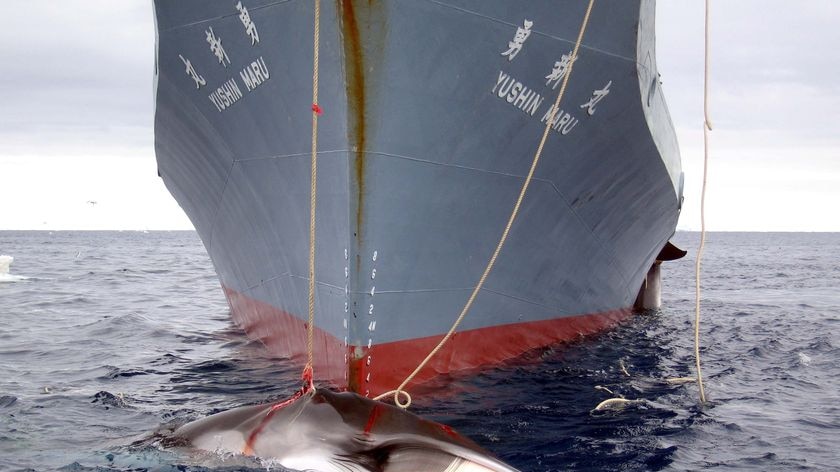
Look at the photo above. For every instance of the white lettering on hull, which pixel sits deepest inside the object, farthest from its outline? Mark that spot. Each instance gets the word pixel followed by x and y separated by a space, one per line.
pixel 522 34
pixel 254 74
pixel 190 71
pixel 563 122
pixel 517 94
pixel 226 95
pixel 250 27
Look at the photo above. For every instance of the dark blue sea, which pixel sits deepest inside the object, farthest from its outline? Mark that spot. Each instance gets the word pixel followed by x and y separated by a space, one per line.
pixel 106 337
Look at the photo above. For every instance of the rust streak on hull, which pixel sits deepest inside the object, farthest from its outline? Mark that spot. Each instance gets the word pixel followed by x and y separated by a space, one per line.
pixel 363 35
pixel 354 68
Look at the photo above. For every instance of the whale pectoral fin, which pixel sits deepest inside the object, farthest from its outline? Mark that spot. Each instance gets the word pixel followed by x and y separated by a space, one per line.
pixel 412 459
pixel 399 459
pixel 357 463
pixel 409 459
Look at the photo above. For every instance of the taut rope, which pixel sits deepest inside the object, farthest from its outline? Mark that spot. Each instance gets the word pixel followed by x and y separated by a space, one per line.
pixel 400 390
pixel 313 193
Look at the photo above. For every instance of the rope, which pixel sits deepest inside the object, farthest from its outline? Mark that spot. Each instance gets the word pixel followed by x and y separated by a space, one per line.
pixel 707 126
pixel 316 110
pixel 399 390
pixel 248 448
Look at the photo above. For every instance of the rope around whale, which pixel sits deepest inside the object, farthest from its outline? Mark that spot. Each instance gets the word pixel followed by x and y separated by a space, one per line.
pixel 400 389
pixel 308 371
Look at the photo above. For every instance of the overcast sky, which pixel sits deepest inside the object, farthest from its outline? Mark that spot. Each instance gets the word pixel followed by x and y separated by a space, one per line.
pixel 76 114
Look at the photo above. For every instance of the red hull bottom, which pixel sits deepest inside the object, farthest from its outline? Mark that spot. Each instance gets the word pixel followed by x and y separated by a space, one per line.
pixel 384 366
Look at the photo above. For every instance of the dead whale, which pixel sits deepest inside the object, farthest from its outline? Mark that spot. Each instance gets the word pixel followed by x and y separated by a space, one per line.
pixel 325 431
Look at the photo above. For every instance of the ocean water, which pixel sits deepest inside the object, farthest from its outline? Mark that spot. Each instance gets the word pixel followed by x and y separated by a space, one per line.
pixel 106 337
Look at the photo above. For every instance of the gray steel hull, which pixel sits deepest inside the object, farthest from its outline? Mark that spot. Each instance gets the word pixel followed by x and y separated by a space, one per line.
pixel 426 136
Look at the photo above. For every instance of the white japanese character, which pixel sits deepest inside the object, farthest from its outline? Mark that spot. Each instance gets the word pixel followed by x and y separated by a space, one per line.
pixel 250 27
pixel 199 80
pixel 216 47
pixel 560 70
pixel 597 96
pixel 518 40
